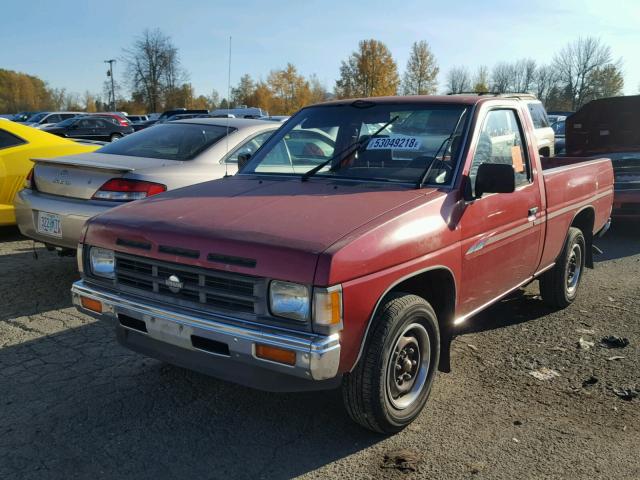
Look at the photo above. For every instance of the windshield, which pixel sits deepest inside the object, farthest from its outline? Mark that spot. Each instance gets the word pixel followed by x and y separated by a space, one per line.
pixel 558 127
pixel 168 141
pixel 37 117
pixel 401 152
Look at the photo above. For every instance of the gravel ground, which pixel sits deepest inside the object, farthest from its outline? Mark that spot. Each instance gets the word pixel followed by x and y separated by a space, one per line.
pixel 74 404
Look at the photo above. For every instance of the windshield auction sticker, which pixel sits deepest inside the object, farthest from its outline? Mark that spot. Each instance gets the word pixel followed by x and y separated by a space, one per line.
pixel 394 143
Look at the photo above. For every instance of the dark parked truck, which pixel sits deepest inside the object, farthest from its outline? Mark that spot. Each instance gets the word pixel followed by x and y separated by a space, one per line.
pixel 611 127
pixel 347 249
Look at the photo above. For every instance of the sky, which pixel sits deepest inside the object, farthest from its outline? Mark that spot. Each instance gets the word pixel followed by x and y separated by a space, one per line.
pixel 65 42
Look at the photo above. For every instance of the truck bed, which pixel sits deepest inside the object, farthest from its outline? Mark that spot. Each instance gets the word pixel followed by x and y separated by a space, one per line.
pixel 573 184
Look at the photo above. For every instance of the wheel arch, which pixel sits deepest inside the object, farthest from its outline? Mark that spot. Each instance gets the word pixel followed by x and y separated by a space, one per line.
pixel 436 284
pixel 585 219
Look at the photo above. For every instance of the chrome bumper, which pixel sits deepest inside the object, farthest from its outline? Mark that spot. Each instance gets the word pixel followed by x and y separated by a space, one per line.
pixel 317 356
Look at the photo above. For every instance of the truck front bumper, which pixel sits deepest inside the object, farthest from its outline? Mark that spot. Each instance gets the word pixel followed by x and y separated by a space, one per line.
pixel 207 344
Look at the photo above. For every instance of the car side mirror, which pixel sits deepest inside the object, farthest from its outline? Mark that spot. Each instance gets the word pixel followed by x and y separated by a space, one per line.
pixel 243 159
pixel 495 178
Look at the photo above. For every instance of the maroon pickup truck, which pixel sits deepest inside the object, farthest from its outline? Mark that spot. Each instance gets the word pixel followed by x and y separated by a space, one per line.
pixel 347 248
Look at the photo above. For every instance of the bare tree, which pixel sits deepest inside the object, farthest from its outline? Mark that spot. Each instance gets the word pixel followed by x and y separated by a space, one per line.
pixel 523 75
pixel 153 68
pixel 421 75
pixel 545 81
pixel 518 76
pixel 458 80
pixel 576 64
pixel 501 77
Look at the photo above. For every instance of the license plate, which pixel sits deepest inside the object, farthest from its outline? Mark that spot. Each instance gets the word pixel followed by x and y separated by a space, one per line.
pixel 49 224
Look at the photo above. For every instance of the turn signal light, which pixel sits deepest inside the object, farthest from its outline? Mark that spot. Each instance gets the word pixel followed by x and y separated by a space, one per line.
pixel 327 309
pixel 124 190
pixel 91 304
pixel 275 354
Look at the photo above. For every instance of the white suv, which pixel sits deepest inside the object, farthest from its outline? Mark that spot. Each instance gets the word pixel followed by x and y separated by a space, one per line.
pixel 545 136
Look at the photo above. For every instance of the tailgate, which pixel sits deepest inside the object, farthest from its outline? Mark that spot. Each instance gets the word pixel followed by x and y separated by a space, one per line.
pixel 627 173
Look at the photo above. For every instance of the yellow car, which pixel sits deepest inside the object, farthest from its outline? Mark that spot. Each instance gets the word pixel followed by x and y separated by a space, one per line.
pixel 18 144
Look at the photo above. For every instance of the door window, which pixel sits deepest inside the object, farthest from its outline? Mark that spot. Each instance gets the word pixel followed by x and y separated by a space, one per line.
pixel 501 141
pixel 249 146
pixel 52 119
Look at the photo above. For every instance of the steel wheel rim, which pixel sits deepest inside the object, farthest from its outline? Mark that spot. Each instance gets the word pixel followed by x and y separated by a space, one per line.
pixel 574 269
pixel 408 366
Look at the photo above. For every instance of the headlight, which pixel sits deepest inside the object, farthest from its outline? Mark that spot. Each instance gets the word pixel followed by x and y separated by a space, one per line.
pixel 102 262
pixel 290 300
pixel 327 309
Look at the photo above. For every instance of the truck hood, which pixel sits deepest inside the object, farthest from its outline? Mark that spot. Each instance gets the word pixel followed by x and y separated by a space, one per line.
pixel 274 228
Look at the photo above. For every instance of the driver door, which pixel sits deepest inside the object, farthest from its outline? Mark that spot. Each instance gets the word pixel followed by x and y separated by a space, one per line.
pixel 501 232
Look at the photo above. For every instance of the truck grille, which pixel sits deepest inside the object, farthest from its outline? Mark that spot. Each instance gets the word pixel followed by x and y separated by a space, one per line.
pixel 175 283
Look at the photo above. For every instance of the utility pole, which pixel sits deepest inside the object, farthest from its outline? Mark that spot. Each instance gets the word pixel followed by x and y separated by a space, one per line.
pixel 113 90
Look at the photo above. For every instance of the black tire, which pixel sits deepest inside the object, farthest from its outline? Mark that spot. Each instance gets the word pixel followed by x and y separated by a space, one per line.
pixel 559 286
pixel 114 137
pixel 369 390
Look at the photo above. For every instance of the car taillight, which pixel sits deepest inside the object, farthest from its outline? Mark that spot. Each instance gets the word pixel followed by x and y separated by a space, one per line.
pixel 123 122
pixel 29 181
pixel 124 190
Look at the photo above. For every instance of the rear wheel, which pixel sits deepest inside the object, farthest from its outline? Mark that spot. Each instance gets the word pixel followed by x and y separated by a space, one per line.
pixel 559 286
pixel 115 136
pixel 390 385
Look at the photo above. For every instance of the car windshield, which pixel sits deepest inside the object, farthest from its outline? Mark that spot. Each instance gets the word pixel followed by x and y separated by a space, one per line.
pixel 558 127
pixel 37 117
pixel 169 141
pixel 419 137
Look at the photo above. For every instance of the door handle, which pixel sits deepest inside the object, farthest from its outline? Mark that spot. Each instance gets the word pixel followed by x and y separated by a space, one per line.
pixel 532 212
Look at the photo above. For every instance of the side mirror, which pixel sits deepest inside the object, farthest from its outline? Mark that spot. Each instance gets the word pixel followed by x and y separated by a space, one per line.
pixel 495 178
pixel 243 159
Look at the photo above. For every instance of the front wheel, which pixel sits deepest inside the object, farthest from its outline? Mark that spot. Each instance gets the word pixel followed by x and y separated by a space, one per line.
pixel 559 286
pixel 391 383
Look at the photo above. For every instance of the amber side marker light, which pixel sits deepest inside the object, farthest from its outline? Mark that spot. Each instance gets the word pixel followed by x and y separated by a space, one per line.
pixel 274 354
pixel 91 304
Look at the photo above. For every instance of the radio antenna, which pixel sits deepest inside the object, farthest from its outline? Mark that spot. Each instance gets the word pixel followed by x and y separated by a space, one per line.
pixel 226 173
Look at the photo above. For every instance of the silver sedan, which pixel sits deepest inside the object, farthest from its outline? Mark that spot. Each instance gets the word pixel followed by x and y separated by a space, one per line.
pixel 61 194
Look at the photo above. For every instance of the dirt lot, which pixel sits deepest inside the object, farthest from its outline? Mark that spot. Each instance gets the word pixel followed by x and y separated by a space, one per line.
pixel 74 404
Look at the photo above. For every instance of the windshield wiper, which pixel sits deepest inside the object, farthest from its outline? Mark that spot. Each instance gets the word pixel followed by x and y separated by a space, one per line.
pixel 427 171
pixel 342 154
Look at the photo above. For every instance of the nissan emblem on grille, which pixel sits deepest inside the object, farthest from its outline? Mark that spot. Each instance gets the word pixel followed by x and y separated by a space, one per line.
pixel 174 284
